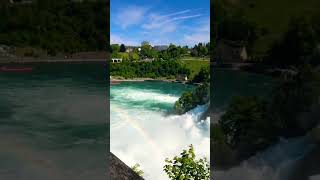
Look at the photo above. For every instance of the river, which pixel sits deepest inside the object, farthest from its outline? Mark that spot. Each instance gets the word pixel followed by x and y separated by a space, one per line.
pixel 277 162
pixel 53 122
pixel 144 130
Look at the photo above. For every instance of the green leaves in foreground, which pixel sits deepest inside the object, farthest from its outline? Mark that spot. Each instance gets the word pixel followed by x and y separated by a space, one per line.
pixel 137 170
pixel 186 167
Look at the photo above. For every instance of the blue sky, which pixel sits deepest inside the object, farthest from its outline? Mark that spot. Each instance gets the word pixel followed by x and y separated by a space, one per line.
pixel 182 22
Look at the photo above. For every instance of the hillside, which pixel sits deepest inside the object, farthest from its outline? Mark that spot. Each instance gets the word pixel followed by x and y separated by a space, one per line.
pixel 54 26
pixel 270 17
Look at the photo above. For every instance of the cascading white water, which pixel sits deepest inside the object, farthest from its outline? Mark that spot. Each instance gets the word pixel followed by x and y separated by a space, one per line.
pixel 275 163
pixel 142 130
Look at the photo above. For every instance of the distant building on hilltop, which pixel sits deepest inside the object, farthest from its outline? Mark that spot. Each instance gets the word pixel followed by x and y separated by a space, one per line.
pixel 230 52
pixel 160 47
pixel 182 77
pixel 116 60
pixel 130 49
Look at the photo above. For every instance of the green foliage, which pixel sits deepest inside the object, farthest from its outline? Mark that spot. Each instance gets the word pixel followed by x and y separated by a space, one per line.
pixel 115 48
pixel 55 26
pixel 154 69
pixel 199 96
pixel 122 48
pixel 298 45
pixel 186 167
pixel 134 56
pixel 195 64
pixel 173 52
pixel 202 76
pixel 200 50
pixel 137 170
pixel 185 103
pixel 190 100
pixel 292 97
pixel 237 28
pixel 147 51
pixel 251 124
pixel 270 25
pixel 246 125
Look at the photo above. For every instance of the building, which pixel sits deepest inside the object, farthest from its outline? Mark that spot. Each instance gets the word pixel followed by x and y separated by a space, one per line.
pixel 182 77
pixel 116 60
pixel 160 47
pixel 230 52
pixel 130 49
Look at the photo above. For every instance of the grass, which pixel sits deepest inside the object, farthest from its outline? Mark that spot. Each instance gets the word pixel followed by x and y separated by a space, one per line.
pixel 195 64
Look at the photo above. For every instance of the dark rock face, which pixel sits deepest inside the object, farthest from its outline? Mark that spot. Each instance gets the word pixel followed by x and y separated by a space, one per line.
pixel 120 171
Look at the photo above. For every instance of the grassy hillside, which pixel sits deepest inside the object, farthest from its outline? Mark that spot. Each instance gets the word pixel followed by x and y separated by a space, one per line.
pixel 270 16
pixel 195 65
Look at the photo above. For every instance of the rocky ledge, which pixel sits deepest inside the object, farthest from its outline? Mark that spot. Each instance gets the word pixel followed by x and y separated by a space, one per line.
pixel 120 171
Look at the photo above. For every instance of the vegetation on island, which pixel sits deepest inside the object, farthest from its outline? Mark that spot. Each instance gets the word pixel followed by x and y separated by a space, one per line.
pixel 186 166
pixel 199 96
pixel 62 26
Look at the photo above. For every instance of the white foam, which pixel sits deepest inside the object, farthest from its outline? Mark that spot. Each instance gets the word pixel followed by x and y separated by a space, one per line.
pixel 148 137
pixel 275 163
pixel 133 94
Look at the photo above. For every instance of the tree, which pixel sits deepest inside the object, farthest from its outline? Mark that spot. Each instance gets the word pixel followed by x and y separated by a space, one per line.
pixel 186 167
pixel 173 51
pixel 146 50
pixel 115 48
pixel 247 126
pixel 297 45
pixel 133 56
pixel 137 170
pixel 122 48
pixel 202 76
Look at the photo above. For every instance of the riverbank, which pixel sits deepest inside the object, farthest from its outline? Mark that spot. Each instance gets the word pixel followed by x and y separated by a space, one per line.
pixel 47 60
pixel 90 56
pixel 121 79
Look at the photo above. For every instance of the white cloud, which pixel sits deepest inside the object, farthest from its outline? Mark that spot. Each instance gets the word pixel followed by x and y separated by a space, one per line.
pixel 180 27
pixel 166 23
pixel 116 39
pixel 131 15
pixel 199 34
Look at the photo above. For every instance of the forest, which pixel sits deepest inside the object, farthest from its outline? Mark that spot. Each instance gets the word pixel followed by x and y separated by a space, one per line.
pixel 55 26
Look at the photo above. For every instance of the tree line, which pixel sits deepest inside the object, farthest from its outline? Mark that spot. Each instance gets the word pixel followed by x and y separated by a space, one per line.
pixel 172 52
pixel 154 69
pixel 55 26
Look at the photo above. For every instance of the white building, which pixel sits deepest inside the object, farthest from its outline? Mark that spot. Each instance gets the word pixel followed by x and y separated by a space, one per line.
pixel 116 60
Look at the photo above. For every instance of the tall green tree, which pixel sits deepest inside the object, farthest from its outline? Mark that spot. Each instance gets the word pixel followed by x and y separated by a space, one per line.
pixel 122 48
